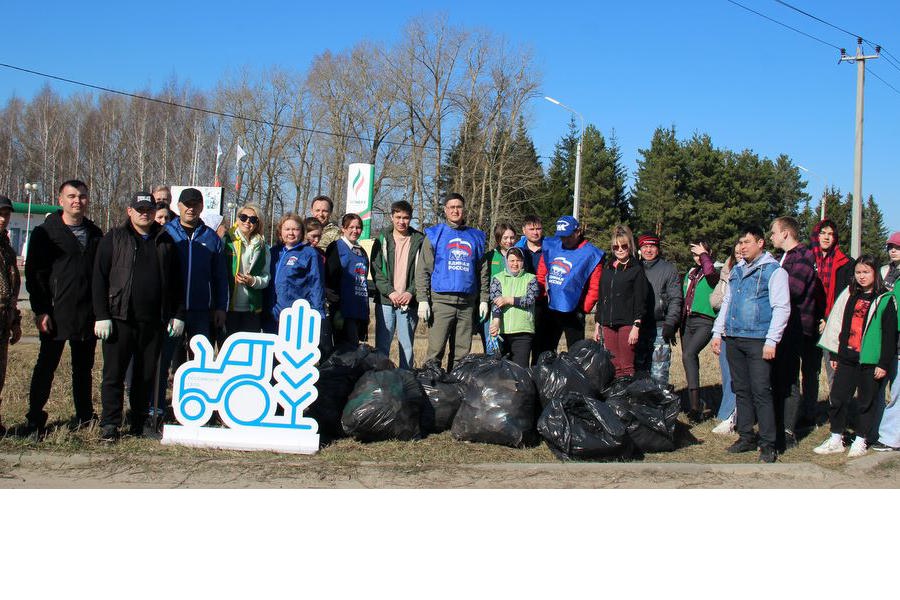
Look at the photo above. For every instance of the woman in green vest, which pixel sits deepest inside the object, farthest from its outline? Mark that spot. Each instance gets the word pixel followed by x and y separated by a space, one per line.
pixel 697 317
pixel 248 259
pixel 513 293
pixel 504 238
pixel 861 337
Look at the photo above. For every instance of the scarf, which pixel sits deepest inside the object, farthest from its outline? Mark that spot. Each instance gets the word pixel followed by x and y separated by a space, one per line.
pixel 827 264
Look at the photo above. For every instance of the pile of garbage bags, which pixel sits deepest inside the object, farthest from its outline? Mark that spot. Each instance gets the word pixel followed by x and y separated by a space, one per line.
pixel 442 397
pixel 384 405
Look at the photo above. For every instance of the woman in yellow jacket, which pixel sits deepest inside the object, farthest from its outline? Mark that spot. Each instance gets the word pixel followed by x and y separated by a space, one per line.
pixel 513 293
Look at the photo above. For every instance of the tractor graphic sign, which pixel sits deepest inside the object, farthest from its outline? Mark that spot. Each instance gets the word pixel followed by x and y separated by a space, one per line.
pixel 261 403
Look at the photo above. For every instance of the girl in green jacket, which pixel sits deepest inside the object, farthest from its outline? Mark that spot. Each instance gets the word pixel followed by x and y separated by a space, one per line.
pixel 504 238
pixel 861 336
pixel 513 293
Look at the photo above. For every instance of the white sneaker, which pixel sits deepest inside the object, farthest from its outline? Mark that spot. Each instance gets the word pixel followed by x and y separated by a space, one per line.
pixel 858 447
pixel 829 446
pixel 726 426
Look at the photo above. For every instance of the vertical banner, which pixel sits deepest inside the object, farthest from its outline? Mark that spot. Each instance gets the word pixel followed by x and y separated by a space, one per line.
pixel 359 194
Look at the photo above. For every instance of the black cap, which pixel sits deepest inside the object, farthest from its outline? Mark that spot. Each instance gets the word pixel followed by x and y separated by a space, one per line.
pixel 6 203
pixel 142 200
pixel 190 196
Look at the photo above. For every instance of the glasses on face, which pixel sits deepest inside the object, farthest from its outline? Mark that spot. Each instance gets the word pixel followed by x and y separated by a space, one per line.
pixel 253 219
pixel 620 246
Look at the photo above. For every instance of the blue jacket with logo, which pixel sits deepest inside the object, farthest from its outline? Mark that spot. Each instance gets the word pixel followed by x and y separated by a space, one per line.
pixel 296 273
pixel 203 267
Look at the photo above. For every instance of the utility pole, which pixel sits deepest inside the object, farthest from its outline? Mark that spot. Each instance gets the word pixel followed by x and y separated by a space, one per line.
pixel 856 210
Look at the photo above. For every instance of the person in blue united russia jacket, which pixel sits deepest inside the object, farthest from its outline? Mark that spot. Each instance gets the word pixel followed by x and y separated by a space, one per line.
pixel 452 279
pixel 296 272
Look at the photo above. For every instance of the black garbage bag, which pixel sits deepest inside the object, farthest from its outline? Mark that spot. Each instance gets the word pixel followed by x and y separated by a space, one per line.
pixel 579 427
pixel 338 375
pixel 465 367
pixel 595 360
pixel 442 397
pixel 649 413
pixel 498 405
pixel 561 376
pixel 617 388
pixel 384 405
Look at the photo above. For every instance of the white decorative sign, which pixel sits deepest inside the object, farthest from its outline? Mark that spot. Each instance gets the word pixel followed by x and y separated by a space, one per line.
pixel 260 404
pixel 212 202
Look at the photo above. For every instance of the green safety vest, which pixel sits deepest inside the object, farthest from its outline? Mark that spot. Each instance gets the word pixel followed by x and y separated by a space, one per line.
pixel 702 292
pixel 515 319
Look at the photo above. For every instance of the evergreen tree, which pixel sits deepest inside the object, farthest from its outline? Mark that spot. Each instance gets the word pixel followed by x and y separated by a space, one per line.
pixel 657 181
pixel 874 232
pixel 603 199
pixel 559 188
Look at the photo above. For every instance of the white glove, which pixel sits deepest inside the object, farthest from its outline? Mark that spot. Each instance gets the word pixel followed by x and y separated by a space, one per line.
pixel 176 327
pixel 103 329
pixel 482 311
pixel 424 311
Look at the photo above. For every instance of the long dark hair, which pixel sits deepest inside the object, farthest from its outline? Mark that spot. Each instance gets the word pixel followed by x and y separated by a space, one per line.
pixel 871 262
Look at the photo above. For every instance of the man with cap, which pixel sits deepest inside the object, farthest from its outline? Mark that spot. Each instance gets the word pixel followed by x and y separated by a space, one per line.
pixel 569 275
pixel 452 278
pixel 10 317
pixel 138 298
pixel 58 273
pixel 653 353
pixel 204 272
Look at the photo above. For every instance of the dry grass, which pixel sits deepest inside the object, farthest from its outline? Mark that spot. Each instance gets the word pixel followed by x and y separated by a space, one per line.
pixel 698 444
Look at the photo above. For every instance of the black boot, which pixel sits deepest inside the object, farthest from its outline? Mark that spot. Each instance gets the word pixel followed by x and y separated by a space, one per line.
pixel 695 414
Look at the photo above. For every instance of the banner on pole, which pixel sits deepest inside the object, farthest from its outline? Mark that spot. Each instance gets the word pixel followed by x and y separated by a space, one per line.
pixel 359 194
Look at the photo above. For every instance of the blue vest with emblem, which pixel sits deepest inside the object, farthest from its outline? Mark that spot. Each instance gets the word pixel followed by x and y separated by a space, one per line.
pixel 567 272
pixel 457 255
pixel 354 288
pixel 749 310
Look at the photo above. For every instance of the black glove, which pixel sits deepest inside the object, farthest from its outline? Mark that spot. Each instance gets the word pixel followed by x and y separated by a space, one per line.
pixel 668 334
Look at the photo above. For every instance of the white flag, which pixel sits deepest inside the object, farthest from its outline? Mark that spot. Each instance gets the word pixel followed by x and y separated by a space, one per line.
pixel 240 154
pixel 218 149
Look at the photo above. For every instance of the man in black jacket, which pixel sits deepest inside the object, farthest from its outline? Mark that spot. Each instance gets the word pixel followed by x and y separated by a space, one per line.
pixel 58 271
pixel 137 292
pixel 654 349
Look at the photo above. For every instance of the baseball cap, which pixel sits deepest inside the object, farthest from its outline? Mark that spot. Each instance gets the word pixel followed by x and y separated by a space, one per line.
pixel 190 196
pixel 6 203
pixel 894 240
pixel 142 201
pixel 648 240
pixel 566 226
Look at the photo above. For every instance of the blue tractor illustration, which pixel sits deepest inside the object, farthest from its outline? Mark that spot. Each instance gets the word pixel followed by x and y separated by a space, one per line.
pixel 243 384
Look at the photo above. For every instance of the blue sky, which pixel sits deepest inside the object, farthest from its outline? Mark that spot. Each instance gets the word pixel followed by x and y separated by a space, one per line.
pixel 704 66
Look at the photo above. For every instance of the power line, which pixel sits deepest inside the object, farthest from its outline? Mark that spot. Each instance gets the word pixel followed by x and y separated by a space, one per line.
pixel 785 25
pixel 881 79
pixel 225 114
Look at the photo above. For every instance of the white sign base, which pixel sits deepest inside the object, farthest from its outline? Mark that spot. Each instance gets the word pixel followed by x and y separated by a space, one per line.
pixel 290 441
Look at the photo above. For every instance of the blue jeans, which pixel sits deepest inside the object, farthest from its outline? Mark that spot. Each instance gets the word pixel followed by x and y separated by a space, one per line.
pixel 727 405
pixel 889 430
pixel 388 320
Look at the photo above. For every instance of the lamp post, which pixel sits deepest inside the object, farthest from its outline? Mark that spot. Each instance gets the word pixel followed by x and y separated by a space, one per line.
pixel 30 189
pixel 824 192
pixel 577 202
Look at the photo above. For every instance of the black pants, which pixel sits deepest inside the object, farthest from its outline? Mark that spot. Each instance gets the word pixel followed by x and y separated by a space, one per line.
pixel 696 335
pixel 242 321
pixel 855 383
pixel 517 346
pixel 353 332
pixel 540 329
pixel 44 370
pixel 810 367
pixel 786 384
pixel 142 343
pixel 751 380
pixel 554 324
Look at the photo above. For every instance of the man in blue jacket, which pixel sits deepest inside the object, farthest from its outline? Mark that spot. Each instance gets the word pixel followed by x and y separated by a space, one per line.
pixel 205 275
pixel 754 313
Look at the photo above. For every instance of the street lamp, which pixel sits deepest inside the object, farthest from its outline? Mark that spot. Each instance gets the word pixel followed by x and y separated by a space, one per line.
pixel 824 192
pixel 30 189
pixel 577 154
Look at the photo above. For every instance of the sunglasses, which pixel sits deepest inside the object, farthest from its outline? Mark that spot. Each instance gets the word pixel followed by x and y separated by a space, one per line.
pixel 620 246
pixel 252 218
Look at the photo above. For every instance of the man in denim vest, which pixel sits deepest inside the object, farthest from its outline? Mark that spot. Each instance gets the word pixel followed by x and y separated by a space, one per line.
pixel 754 313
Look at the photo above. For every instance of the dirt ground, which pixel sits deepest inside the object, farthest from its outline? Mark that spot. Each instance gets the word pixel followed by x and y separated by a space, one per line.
pixel 77 459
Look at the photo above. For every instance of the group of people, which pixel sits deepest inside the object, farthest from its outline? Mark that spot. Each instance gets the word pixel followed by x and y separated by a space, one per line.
pixel 162 277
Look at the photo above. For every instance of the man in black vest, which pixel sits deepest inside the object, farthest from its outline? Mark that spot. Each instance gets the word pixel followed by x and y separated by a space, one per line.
pixel 58 272
pixel 137 293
